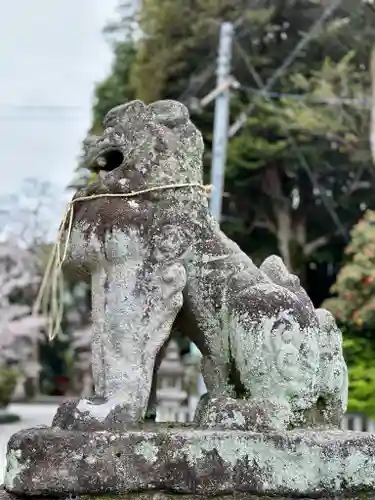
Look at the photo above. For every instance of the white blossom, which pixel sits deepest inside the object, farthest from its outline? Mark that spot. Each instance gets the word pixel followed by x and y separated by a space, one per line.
pixel 19 330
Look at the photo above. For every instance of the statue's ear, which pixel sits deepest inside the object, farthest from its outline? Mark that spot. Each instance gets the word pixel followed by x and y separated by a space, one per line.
pixel 175 116
pixel 326 319
pixel 128 112
pixel 274 267
pixel 170 113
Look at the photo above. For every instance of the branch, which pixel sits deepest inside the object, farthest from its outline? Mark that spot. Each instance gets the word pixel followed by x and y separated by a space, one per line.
pixel 265 224
pixel 360 185
pixel 272 187
pixel 312 246
pixel 262 220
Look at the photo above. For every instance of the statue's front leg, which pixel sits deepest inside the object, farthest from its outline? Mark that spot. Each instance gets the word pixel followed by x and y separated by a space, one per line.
pixel 134 320
pixel 152 402
pixel 134 307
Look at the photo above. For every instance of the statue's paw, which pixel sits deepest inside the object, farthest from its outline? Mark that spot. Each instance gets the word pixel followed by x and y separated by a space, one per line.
pixel 201 407
pixel 75 414
pixel 93 414
pixel 246 415
pixel 276 270
pixel 288 285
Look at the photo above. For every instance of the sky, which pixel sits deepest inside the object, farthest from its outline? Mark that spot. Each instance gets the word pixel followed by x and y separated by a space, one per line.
pixel 51 55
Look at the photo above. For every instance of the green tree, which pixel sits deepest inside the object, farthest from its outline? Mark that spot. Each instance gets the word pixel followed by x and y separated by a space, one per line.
pixel 298 174
pixel 359 356
pixel 354 309
pixel 114 90
pixel 299 169
pixel 354 302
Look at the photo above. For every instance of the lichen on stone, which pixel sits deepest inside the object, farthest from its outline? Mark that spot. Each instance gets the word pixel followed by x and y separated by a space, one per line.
pixel 147 450
pixel 14 468
pixel 159 259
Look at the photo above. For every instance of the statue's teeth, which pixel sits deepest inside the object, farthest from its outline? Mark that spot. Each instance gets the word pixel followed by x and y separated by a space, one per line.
pixel 101 161
pixel 102 174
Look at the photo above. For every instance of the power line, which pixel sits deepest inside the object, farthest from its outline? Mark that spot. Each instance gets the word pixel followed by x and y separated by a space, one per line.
pixel 40 112
pixel 329 101
pixel 243 117
pixel 301 158
pixel 51 118
pixel 265 91
pixel 199 79
pixel 26 112
pixel 42 107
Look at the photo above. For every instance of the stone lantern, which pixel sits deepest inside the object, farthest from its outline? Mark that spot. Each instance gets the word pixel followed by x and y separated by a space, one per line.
pixel 170 392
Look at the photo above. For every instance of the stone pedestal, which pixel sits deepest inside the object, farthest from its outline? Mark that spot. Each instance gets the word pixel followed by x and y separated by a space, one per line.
pixel 190 461
pixel 4 495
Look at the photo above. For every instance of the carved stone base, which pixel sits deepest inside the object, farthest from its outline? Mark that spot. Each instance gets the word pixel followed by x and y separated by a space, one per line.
pixel 156 495
pixel 242 415
pixel 92 414
pixel 45 461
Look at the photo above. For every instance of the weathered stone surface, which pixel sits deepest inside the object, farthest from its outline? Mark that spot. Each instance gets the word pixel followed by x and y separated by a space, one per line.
pixel 299 463
pixel 238 414
pixel 271 362
pixel 69 416
pixel 159 258
pixel 157 495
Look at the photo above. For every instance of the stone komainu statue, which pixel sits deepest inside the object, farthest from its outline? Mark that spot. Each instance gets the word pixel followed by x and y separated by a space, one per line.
pixel 270 360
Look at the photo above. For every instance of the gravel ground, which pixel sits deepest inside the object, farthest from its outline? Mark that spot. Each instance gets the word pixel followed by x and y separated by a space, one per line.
pixel 31 416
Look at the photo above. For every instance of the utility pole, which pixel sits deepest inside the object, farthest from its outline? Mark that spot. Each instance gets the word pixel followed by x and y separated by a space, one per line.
pixel 221 95
pixel 221 119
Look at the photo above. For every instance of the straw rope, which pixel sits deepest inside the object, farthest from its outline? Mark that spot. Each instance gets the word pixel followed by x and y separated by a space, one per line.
pixel 49 300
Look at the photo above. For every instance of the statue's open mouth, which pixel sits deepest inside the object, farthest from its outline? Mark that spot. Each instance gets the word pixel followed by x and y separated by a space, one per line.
pixel 107 159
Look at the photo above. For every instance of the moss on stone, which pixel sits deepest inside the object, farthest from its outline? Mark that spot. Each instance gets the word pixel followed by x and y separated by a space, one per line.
pixel 244 496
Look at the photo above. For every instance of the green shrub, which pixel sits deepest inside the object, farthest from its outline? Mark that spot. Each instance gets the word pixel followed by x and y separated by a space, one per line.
pixel 8 382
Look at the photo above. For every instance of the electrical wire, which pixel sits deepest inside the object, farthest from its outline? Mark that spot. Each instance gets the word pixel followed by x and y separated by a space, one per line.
pixel 243 117
pixel 329 101
pixel 199 79
pixel 302 160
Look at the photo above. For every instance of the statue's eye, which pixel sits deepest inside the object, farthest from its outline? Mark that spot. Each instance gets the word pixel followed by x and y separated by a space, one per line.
pixel 109 160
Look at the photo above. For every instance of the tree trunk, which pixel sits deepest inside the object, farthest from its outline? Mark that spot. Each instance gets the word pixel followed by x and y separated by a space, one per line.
pixel 281 211
pixel 297 246
pixel 284 235
pixel 290 226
